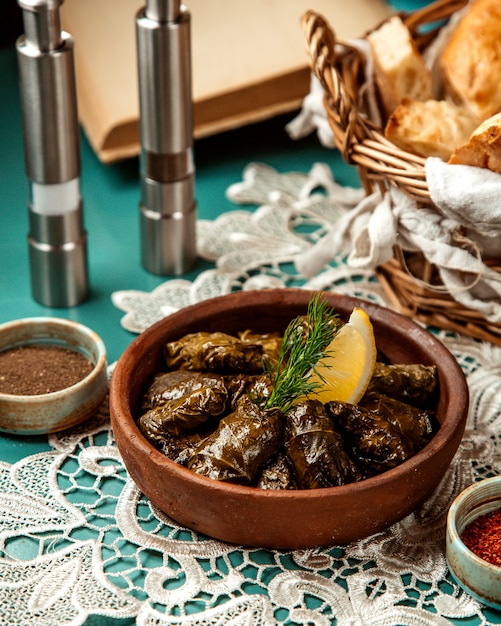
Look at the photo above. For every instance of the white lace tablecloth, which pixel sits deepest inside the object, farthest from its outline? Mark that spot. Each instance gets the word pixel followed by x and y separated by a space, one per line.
pixel 99 548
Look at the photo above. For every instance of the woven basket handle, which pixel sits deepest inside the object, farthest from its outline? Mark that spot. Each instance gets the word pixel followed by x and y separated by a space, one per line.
pixel 340 69
pixel 346 121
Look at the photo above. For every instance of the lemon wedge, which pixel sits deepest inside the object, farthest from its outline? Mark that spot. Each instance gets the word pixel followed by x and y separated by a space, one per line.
pixel 349 361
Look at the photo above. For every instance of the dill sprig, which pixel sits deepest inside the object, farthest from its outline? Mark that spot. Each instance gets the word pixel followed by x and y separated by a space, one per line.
pixel 304 343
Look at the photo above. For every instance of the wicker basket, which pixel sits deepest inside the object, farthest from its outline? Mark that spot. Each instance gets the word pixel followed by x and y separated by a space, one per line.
pixel 410 282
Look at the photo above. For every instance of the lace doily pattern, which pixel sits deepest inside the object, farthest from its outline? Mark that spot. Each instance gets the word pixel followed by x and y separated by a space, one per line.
pixel 257 249
pixel 78 539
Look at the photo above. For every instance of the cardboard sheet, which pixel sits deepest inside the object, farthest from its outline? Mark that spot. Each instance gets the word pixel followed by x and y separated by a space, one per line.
pixel 249 62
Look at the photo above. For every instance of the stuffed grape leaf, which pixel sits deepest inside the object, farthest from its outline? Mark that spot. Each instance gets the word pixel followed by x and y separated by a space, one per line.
pixel 416 425
pixel 176 384
pixel 316 448
pixel 243 442
pixel 277 474
pixel 413 384
pixel 374 442
pixel 184 415
pixel 214 352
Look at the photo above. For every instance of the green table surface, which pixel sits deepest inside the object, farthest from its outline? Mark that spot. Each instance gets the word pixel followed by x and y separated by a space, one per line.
pixel 111 212
pixel 111 196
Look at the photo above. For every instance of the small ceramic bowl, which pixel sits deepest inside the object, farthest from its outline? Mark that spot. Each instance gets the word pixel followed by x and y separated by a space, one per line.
pixel 55 411
pixel 296 518
pixel 478 577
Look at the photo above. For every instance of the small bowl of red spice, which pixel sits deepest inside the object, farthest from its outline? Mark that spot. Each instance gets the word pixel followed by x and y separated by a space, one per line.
pixel 52 375
pixel 473 546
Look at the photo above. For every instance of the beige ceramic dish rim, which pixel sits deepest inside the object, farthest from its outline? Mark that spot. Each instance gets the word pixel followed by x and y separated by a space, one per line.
pixel 56 322
pixel 29 333
pixel 447 433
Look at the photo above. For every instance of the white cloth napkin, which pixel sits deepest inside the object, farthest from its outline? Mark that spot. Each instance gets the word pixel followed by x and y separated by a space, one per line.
pixel 469 195
pixel 312 117
pixel 368 233
pixel 457 237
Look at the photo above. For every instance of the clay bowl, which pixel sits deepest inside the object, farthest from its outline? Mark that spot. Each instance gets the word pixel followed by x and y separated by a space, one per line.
pixel 476 576
pixel 288 519
pixel 51 412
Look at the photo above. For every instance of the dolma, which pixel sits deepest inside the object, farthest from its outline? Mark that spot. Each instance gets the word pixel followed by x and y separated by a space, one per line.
pixel 413 384
pixel 316 448
pixel 176 384
pixel 277 474
pixel 214 352
pixel 184 415
pixel 179 449
pixel 415 424
pixel 373 442
pixel 253 385
pixel 303 328
pixel 271 344
pixel 243 442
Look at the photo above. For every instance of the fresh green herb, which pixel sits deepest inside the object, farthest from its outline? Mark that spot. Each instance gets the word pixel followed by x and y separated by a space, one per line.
pixel 304 344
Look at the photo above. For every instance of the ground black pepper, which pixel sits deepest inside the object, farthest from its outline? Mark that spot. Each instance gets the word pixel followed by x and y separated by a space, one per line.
pixel 483 537
pixel 41 368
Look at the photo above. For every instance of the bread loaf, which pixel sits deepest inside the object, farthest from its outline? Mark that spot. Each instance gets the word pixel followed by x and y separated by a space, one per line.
pixel 399 68
pixel 470 64
pixel 483 148
pixel 431 128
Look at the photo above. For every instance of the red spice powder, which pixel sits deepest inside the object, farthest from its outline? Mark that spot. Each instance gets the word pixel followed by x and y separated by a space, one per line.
pixel 483 537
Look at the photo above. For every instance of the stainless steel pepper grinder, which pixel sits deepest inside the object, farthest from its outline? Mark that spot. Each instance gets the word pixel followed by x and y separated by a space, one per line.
pixel 57 239
pixel 168 206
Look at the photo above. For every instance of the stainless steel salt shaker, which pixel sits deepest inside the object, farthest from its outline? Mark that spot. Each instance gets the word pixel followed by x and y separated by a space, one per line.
pixel 57 238
pixel 168 205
